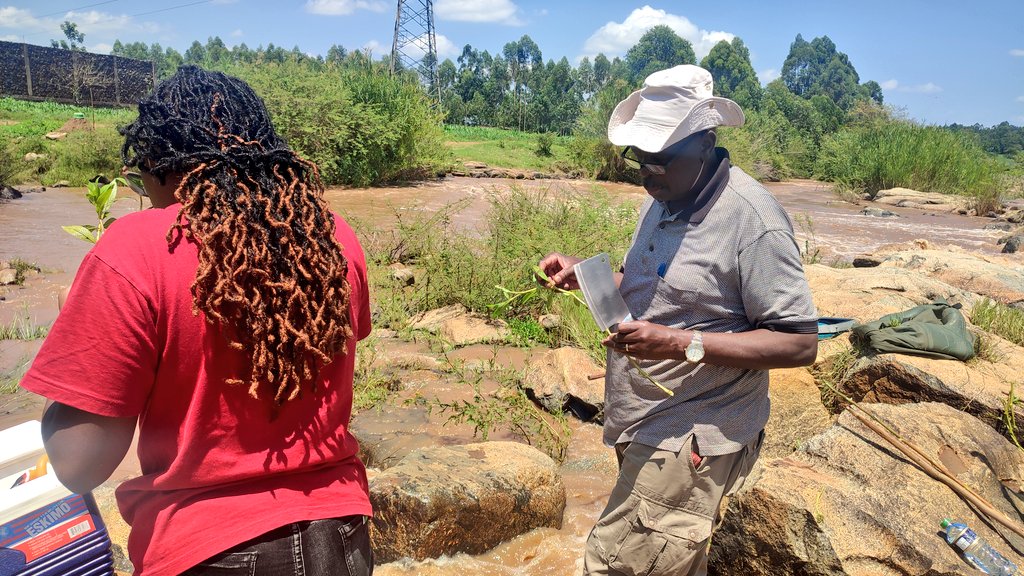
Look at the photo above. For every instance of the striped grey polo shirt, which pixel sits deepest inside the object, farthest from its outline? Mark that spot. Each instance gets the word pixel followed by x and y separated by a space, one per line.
pixel 727 263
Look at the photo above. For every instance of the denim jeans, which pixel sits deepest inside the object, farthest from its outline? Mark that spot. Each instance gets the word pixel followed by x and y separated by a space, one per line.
pixel 331 547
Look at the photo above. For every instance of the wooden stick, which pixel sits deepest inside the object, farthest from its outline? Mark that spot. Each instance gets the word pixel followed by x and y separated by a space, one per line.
pixel 595 375
pixel 954 484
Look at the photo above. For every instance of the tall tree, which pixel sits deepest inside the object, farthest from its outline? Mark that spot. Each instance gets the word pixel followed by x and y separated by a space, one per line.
pixel 602 69
pixel 817 67
pixel 729 64
pixel 196 54
pixel 523 57
pixel 659 48
pixel 585 78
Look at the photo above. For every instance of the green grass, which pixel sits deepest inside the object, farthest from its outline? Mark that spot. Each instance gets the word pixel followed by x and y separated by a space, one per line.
pixel 903 154
pixel 77 158
pixel 9 379
pixel 521 227
pixel 22 328
pixel 999 319
pixel 501 148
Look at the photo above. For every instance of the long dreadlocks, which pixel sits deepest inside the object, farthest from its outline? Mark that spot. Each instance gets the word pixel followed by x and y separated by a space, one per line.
pixel 271 273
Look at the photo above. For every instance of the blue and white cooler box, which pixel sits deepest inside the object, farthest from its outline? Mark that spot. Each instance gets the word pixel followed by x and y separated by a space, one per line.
pixel 45 529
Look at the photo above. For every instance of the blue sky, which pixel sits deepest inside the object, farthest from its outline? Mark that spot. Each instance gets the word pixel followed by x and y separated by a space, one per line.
pixel 939 61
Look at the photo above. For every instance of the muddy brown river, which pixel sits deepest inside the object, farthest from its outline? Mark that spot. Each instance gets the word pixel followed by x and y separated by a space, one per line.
pixel 30 230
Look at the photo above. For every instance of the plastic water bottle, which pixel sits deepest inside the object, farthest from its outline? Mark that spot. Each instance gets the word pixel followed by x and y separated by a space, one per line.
pixel 977 551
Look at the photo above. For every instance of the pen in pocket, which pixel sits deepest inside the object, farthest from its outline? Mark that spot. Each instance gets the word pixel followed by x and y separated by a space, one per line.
pixel 661 269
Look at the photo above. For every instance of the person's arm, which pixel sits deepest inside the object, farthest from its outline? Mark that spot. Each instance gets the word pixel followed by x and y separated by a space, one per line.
pixel 84 448
pixel 758 349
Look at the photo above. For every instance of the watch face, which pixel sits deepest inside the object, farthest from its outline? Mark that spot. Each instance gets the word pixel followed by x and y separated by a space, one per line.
pixel 694 353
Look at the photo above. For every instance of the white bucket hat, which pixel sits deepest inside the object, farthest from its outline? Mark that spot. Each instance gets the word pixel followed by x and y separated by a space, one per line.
pixel 672 104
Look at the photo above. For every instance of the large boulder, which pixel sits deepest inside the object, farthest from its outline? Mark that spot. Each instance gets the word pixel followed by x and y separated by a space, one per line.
pixel 463 499
pixel 559 380
pixel 797 412
pixel 849 503
pixel 979 387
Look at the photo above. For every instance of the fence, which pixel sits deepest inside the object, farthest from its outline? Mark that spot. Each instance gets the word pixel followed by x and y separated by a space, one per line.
pixel 40 73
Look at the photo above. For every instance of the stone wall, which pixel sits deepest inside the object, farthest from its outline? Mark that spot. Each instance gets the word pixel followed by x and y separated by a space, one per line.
pixel 41 73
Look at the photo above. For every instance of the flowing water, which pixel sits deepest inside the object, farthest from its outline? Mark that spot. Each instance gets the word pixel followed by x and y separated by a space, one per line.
pixel 30 230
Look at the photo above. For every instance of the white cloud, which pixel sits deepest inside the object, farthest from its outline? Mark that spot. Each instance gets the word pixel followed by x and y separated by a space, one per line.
pixel 343 7
pixel 1020 98
pixel 237 33
pixel 614 38
pixel 101 48
pixel 496 11
pixel 766 76
pixel 1017 52
pixel 10 38
pixel 926 88
pixel 97 26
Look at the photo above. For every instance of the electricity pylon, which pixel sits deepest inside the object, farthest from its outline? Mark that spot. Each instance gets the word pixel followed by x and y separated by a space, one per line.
pixel 415 45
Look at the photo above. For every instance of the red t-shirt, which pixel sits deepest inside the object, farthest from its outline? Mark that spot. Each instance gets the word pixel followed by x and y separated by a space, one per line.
pixel 217 470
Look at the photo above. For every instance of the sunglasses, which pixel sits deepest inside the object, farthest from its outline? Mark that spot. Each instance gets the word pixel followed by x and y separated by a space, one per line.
pixel 134 180
pixel 631 159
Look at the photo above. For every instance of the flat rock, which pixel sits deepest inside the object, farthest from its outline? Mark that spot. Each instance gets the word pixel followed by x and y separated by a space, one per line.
pixel 446 500
pixel 866 294
pixel 432 320
pixel 472 329
pixel 907 198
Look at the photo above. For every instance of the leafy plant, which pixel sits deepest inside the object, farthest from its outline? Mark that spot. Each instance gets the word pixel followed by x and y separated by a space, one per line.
pixel 102 198
pixel 371 385
pixel 1010 415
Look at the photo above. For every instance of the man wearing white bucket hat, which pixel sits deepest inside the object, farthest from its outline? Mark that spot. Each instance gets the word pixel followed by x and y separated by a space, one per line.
pixel 715 283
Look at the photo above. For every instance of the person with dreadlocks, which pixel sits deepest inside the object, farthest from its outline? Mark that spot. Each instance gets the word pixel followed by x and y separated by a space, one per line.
pixel 222 322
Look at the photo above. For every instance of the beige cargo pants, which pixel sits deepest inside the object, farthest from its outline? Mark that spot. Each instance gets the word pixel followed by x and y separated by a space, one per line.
pixel 661 512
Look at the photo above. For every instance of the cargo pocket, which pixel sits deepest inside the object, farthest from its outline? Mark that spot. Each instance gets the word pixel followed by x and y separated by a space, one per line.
pixel 661 540
pixel 230 564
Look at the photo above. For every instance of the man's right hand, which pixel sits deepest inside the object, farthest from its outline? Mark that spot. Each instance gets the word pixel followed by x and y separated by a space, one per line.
pixel 559 269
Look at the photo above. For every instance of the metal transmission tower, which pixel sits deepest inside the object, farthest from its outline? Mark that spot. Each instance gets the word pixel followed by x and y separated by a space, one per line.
pixel 415 45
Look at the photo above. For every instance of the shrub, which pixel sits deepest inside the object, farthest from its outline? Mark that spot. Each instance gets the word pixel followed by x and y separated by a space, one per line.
pixel 544 142
pixel 884 154
pixel 8 164
pixel 360 126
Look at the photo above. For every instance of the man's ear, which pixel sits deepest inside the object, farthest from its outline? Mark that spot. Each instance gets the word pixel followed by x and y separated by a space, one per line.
pixel 710 140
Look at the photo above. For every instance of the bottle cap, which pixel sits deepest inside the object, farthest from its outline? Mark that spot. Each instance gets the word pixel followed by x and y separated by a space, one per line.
pixel 945 523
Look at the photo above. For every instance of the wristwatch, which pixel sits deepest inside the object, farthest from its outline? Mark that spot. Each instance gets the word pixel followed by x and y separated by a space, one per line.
pixel 695 350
